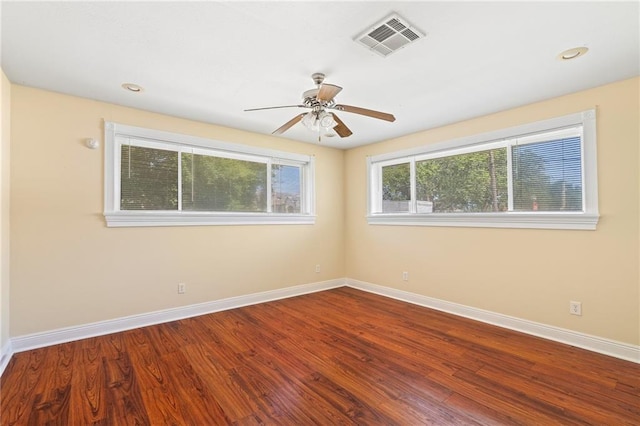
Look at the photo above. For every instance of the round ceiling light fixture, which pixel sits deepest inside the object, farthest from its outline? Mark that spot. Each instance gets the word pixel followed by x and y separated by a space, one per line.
pixel 132 87
pixel 573 53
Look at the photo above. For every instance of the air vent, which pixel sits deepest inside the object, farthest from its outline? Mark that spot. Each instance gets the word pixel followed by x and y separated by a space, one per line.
pixel 389 35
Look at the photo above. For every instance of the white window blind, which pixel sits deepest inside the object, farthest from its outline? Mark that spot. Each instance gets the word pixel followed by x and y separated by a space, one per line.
pixel 547 176
pixel 149 178
pixel 217 184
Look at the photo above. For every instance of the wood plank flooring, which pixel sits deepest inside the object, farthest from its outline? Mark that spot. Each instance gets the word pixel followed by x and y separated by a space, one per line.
pixel 341 356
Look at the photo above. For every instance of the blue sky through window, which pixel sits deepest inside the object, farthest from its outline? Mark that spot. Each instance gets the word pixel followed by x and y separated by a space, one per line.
pixel 561 159
pixel 286 179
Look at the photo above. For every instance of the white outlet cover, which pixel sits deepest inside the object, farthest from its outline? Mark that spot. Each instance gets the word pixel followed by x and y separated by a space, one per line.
pixel 575 308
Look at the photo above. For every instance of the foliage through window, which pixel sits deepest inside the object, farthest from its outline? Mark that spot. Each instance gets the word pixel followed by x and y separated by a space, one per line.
pixel 223 184
pixel 474 182
pixel 149 179
pixel 535 178
pixel 157 178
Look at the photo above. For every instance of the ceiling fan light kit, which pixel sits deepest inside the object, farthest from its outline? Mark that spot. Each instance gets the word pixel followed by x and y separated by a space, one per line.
pixel 319 119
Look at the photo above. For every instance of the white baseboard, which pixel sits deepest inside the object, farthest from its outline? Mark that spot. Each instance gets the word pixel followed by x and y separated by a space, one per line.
pixel 68 334
pixel 593 343
pixel 6 352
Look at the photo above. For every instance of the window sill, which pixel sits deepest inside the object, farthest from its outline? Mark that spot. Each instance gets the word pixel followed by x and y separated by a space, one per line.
pixel 491 220
pixel 134 218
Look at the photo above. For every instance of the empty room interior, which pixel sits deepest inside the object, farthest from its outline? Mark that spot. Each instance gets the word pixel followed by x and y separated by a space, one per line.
pixel 365 212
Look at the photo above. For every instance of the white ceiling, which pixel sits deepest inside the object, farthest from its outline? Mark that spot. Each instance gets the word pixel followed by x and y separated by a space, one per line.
pixel 208 61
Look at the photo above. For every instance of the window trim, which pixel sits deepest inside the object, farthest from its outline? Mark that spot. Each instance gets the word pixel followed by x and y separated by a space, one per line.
pixel 129 218
pixel 584 220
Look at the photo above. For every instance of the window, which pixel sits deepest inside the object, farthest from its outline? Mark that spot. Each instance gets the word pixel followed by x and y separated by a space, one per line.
pixel 540 175
pixel 157 178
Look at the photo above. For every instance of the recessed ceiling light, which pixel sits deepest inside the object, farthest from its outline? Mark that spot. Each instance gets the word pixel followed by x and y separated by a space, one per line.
pixel 132 87
pixel 572 53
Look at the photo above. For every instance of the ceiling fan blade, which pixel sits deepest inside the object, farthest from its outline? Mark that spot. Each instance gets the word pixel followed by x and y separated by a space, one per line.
pixel 367 112
pixel 286 126
pixel 341 129
pixel 327 92
pixel 276 107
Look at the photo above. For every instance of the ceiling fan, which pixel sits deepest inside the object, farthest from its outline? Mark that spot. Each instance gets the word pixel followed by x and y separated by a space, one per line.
pixel 320 101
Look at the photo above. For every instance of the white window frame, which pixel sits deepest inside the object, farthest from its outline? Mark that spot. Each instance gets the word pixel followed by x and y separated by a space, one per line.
pixel 587 219
pixel 116 135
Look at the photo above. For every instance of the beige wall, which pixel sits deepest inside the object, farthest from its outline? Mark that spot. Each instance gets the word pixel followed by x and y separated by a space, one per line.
pixel 5 135
pixel 69 269
pixel 529 274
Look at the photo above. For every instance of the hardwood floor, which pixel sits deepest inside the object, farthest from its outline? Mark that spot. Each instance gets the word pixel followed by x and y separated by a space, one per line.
pixel 336 357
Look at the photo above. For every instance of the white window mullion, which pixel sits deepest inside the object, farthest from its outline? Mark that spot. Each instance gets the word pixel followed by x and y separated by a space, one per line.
pixel 179 180
pixel 412 182
pixel 509 176
pixel 269 187
pixel 379 189
pixel 305 198
pixel 116 175
pixel 193 176
pixel 372 186
pixel 310 185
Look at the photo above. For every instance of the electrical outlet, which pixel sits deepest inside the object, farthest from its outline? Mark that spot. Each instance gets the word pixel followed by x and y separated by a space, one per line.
pixel 317 268
pixel 575 308
pixel 182 288
pixel 405 276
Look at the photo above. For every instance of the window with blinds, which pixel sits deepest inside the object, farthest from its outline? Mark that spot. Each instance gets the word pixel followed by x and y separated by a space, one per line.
pixel 541 175
pixel 547 176
pixel 217 184
pixel 160 179
pixel 149 178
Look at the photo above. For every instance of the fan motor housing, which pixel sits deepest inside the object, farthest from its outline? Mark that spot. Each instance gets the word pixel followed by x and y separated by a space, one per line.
pixel 312 93
pixel 310 100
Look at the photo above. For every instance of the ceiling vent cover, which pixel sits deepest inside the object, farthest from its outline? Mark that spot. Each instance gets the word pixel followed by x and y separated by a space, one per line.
pixel 389 35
